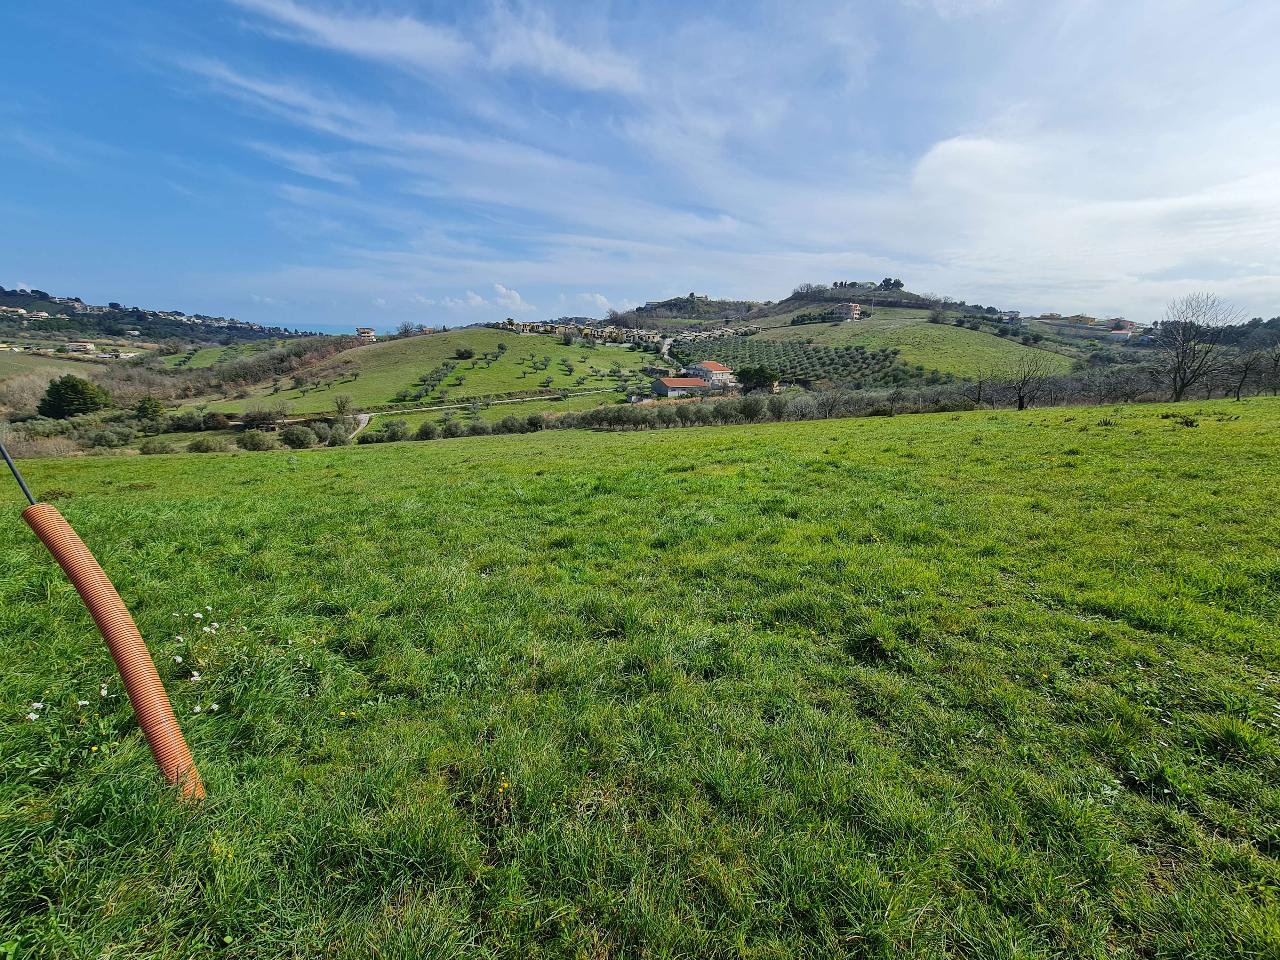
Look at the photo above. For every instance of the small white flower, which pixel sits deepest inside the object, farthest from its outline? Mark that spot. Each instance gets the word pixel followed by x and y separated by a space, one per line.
pixel 177 658
pixel 82 703
pixel 37 706
pixel 195 709
pixel 102 691
pixel 214 625
pixel 198 615
pixel 207 607
pixel 205 630
pixel 195 675
pixel 33 716
pixel 213 708
pixel 181 639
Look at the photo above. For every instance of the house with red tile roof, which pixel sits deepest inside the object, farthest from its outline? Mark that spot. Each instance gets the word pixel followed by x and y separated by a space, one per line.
pixel 679 386
pixel 713 372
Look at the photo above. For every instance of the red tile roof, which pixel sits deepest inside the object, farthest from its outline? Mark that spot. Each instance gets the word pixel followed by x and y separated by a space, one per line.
pixel 713 365
pixel 682 381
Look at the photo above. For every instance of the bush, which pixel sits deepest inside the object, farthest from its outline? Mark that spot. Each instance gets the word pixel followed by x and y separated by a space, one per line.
pixel 256 440
pixel 464 353
pixel 189 422
pixel 259 417
pixel 206 445
pixel 451 429
pixel 155 445
pixel 298 437
pixel 394 430
pixel 509 424
pixel 321 429
pixel 478 429
pixel 338 436
pixel 427 431
pixel 216 421
pixel 107 438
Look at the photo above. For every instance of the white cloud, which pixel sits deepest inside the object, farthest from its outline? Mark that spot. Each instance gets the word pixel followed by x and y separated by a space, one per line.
pixel 530 42
pixel 401 40
pixel 468 302
pixel 306 162
pixel 510 299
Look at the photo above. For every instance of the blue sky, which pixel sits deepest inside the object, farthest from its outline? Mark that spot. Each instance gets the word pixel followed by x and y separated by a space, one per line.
pixel 323 163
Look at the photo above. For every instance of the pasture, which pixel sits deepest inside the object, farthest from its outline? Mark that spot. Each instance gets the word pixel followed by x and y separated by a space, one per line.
pixel 969 685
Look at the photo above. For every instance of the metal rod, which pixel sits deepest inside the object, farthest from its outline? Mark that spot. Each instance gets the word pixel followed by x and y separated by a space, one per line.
pixel 17 475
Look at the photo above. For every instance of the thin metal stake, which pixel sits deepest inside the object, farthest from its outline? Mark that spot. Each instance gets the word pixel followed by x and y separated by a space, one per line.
pixel 17 475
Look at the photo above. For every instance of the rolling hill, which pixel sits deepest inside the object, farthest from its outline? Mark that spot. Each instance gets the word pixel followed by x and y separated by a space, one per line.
pixel 933 346
pixel 504 364
pixel 980 684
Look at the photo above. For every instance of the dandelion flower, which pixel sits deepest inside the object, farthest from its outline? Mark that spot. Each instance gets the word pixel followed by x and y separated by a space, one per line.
pixel 93 749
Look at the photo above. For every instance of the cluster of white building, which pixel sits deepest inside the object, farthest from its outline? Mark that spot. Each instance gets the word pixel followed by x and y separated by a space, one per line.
pixel 604 334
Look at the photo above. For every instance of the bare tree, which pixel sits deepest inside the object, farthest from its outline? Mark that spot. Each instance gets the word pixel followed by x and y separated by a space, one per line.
pixel 1189 340
pixel 1027 379
pixel 980 387
pixel 1243 366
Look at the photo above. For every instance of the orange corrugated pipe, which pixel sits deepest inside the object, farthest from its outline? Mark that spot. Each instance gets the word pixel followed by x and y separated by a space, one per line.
pixel 137 669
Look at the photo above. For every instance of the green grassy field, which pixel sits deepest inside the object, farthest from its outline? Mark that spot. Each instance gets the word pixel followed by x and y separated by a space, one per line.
pixel 935 346
pixel 967 685
pixel 384 369
pixel 15 364
pixel 199 357
pixel 496 411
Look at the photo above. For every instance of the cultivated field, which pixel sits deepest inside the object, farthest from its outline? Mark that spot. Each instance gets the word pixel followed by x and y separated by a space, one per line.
pixel 970 685
pixel 374 375
pixel 935 346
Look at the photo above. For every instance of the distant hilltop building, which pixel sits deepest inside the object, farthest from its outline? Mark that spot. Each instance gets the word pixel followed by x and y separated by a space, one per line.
pixel 80 346
pixel 366 335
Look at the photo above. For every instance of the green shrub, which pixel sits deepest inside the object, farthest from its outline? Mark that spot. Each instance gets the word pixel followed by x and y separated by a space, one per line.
pixel 216 421
pixel 256 440
pixel 207 445
pixel 427 430
pixel 155 445
pixel 298 437
pixel 394 430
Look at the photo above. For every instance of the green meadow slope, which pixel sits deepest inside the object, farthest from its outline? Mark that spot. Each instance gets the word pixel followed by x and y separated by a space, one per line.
pixel 970 685
pixel 934 346
pixel 373 375
pixel 15 364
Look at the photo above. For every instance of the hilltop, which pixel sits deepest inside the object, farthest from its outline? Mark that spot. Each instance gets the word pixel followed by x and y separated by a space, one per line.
pixel 975 684
pixel 35 312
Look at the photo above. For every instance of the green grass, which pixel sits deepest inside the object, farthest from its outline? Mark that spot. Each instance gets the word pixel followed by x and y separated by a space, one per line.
pixel 385 369
pixel 496 411
pixel 201 357
pixel 972 685
pixel 935 346
pixel 16 364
